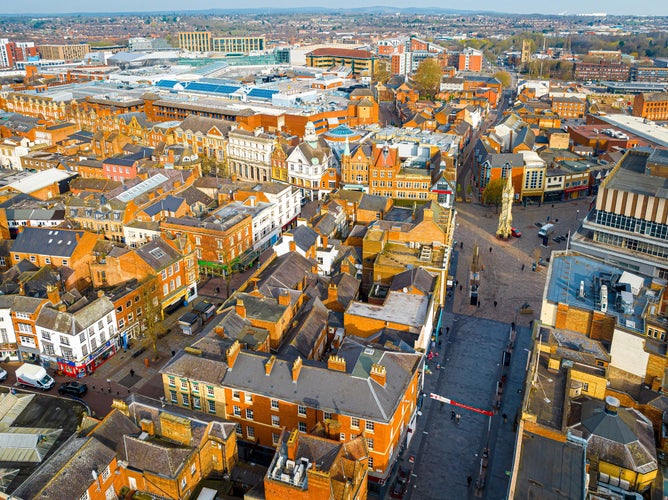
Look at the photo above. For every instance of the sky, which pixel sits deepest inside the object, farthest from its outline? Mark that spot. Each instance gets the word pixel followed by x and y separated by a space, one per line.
pixel 638 7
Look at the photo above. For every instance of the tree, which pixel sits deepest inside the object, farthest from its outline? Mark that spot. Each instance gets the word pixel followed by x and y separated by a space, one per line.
pixel 427 77
pixel 151 327
pixel 493 193
pixel 504 78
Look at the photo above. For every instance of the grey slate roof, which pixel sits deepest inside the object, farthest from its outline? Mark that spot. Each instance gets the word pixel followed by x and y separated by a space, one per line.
pixel 304 237
pixel 285 271
pixel 350 393
pixel 44 241
pixel 111 430
pixel 373 202
pixel 76 322
pixel 625 439
pixel 155 455
pixel 169 203
pixel 158 254
pixel 195 368
pixel 414 278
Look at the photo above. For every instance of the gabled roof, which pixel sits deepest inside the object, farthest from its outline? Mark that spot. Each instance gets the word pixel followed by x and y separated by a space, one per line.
pixel 285 271
pixel 155 455
pixel 158 254
pixel 418 278
pixel 168 204
pixel 350 393
pixel 44 241
pixel 304 237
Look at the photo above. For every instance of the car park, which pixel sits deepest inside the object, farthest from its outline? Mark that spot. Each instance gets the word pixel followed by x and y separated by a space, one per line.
pixel 73 389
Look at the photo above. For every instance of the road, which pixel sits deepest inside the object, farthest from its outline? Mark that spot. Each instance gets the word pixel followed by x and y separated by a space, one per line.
pixel 466 173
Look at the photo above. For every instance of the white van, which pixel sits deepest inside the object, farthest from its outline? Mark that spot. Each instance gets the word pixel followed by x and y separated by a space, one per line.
pixel 546 230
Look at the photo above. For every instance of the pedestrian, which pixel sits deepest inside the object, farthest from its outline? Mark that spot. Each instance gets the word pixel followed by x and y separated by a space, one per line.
pixel 460 288
pixel 217 290
pixel 457 417
pixel 512 325
pixel 461 245
pixel 522 267
pixel 447 330
pixel 132 373
pixel 452 415
pixel 495 303
pixel 478 304
pixel 469 480
pixel 490 249
pixel 505 418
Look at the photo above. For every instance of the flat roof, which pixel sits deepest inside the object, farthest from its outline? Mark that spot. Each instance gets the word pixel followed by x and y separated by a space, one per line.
pixel 646 129
pixel 549 469
pixel 403 308
pixel 569 270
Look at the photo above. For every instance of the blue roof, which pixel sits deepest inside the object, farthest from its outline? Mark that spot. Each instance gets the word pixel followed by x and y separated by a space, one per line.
pixel 166 84
pixel 262 93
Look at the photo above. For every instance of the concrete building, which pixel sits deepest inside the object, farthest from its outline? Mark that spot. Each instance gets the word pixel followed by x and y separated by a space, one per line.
pixel 628 225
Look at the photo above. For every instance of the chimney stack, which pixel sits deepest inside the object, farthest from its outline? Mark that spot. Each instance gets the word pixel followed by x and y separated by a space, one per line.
pixel 325 241
pixel 232 353
pixel 293 246
pixel 296 369
pixel 336 363
pixel 293 441
pixel 240 308
pixel 52 294
pixel 269 365
pixel 284 298
pixel 378 374
pixel 332 292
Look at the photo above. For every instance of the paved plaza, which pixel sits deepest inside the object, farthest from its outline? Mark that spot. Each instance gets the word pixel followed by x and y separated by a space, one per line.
pixel 473 340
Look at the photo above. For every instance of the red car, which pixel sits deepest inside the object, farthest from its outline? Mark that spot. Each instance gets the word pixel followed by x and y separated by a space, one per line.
pixel 515 232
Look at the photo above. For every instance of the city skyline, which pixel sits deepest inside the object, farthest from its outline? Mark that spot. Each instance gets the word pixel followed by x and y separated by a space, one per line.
pixel 570 7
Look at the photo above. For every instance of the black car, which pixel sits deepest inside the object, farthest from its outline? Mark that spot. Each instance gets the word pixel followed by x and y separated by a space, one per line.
pixel 73 389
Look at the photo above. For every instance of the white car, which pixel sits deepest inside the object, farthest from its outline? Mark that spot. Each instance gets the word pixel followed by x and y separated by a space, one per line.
pixel 3 374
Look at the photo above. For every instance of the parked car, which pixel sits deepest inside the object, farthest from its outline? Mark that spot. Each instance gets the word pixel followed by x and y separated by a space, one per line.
pixel 73 389
pixel 3 374
pixel 515 232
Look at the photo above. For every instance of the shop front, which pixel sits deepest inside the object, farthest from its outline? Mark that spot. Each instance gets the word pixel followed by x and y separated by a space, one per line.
pixel 9 352
pixel 88 365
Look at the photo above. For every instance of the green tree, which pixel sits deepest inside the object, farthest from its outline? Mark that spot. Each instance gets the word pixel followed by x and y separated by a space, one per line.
pixel 504 78
pixel 493 193
pixel 427 77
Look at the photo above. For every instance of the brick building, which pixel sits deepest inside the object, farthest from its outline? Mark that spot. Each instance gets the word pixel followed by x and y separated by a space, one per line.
pixel 568 107
pixel 602 71
pixel 264 394
pixel 652 106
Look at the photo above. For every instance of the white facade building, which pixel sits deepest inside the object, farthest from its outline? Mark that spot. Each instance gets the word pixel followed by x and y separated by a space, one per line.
pixel 11 151
pixel 81 340
pixel 249 155
pixel 307 164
